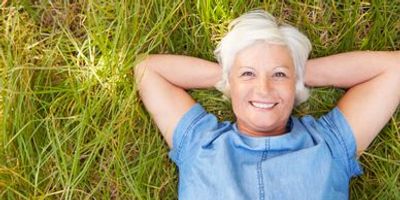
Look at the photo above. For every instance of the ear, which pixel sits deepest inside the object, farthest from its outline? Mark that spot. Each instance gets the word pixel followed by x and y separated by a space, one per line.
pixel 302 93
pixel 227 91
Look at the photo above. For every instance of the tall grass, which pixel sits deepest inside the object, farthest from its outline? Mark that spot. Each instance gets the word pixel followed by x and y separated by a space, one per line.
pixel 73 126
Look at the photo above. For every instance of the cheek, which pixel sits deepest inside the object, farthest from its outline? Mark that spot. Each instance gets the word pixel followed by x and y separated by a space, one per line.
pixel 287 92
pixel 290 92
pixel 235 98
pixel 238 99
pixel 239 93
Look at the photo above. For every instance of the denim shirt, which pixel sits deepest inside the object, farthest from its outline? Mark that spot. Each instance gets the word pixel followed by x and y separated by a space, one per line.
pixel 314 160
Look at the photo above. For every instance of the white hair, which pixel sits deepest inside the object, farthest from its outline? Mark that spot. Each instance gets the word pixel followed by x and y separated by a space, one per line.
pixel 260 26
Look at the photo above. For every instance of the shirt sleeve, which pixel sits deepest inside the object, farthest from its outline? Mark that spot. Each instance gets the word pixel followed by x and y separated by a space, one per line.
pixel 190 132
pixel 340 139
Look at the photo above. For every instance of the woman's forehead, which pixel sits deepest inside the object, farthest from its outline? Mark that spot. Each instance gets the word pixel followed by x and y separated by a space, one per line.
pixel 261 54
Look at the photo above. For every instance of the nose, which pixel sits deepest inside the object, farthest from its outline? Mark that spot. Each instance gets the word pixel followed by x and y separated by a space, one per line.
pixel 263 87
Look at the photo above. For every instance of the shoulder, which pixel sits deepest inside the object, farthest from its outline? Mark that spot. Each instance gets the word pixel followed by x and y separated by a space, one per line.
pixel 338 135
pixel 331 126
pixel 196 128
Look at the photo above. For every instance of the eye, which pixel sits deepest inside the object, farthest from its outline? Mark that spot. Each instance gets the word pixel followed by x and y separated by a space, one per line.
pixel 247 73
pixel 279 74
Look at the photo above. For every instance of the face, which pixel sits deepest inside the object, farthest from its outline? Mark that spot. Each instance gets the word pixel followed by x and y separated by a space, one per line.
pixel 262 88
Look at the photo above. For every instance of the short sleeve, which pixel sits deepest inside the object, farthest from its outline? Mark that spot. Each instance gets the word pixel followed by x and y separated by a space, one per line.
pixel 340 139
pixel 190 132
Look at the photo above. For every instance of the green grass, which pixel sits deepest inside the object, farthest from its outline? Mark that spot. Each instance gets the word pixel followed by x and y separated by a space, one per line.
pixel 73 126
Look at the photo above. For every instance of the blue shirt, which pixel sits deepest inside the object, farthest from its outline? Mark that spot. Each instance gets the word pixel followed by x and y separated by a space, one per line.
pixel 314 160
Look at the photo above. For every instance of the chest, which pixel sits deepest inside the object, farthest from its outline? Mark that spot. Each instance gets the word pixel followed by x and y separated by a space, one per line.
pixel 239 173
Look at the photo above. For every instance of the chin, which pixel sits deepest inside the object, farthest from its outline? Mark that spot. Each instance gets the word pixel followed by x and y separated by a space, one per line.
pixel 265 121
pixel 267 124
pixel 264 128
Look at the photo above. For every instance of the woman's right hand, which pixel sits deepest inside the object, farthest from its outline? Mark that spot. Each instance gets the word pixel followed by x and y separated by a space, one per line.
pixel 162 80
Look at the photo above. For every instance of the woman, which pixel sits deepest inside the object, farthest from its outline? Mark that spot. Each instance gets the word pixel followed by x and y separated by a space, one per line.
pixel 266 153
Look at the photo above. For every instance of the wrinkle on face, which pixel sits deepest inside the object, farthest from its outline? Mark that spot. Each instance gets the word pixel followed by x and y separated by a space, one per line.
pixel 262 82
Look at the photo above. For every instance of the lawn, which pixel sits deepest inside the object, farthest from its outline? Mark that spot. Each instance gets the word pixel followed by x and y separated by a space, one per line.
pixel 72 123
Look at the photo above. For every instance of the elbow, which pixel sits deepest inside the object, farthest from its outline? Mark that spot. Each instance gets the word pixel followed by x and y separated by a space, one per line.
pixel 397 61
pixel 396 66
pixel 397 70
pixel 393 67
pixel 141 68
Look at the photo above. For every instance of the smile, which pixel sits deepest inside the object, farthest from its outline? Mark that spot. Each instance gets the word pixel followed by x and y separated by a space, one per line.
pixel 263 105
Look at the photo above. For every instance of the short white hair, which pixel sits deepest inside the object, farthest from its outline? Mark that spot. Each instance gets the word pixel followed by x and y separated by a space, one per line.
pixel 260 26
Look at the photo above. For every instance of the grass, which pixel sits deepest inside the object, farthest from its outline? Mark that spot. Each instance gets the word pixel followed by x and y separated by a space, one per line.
pixel 73 126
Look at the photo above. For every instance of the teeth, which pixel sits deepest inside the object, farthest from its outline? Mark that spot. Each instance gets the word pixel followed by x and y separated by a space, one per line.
pixel 262 105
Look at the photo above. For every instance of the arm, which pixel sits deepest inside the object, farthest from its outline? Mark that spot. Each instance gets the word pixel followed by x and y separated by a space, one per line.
pixel 162 80
pixel 373 80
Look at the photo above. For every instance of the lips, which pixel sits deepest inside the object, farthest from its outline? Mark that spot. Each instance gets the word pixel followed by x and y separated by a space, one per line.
pixel 263 105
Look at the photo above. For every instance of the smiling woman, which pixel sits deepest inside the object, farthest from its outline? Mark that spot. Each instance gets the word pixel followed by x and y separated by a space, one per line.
pixel 73 125
pixel 259 26
pixel 263 89
pixel 267 153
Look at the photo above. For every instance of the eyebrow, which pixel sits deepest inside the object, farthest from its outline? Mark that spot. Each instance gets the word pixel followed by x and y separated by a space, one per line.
pixel 281 66
pixel 246 67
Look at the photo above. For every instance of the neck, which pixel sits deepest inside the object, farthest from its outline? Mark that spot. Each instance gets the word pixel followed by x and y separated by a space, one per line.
pixel 279 130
